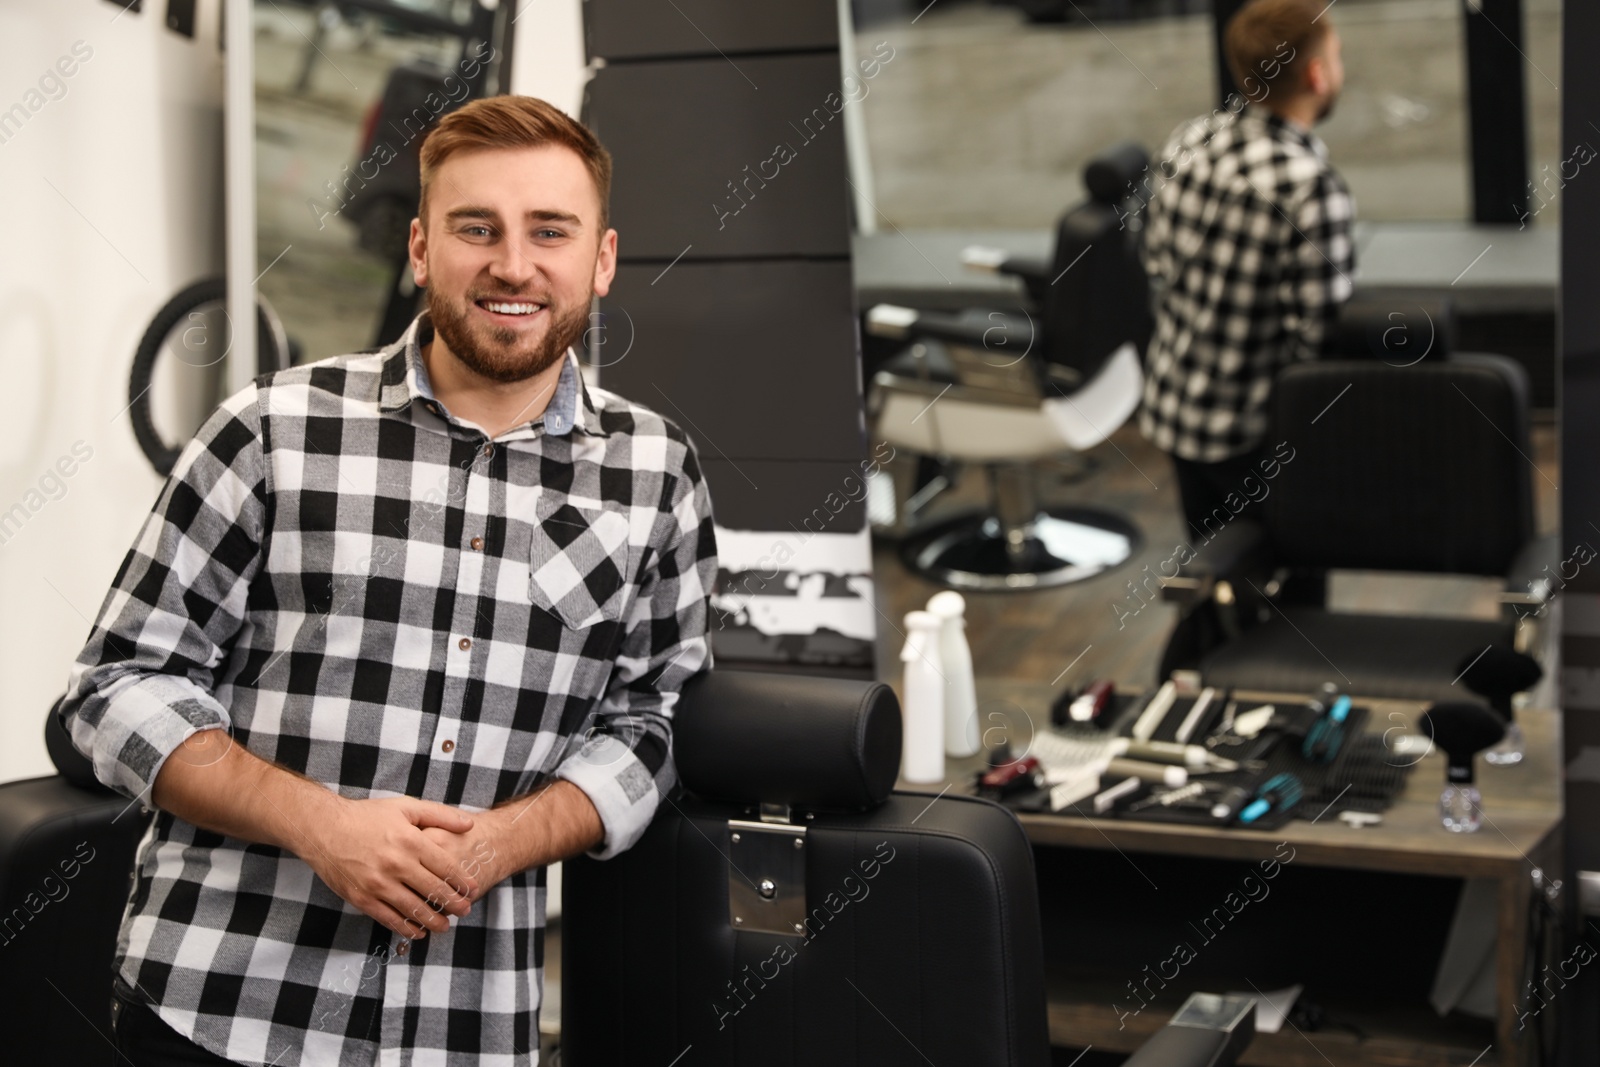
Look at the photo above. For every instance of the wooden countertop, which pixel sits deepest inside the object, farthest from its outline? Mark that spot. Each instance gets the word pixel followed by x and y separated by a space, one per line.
pixel 1521 803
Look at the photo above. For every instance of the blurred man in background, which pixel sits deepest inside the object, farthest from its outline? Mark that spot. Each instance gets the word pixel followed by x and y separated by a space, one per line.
pixel 1247 242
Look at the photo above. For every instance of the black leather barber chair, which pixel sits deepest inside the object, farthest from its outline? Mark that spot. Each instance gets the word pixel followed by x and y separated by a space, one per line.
pixel 792 909
pixel 1423 468
pixel 1005 389
pixel 66 860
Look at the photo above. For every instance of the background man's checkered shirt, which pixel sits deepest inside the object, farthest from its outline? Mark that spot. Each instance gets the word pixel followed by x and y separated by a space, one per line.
pixel 1247 242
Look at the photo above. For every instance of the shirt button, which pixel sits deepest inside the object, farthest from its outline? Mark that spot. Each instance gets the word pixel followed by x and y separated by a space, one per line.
pixel 466 643
pixel 448 746
pixel 433 407
pixel 488 450
pixel 402 948
pixel 477 543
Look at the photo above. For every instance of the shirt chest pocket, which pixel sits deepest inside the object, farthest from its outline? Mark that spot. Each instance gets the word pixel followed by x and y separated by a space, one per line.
pixel 579 562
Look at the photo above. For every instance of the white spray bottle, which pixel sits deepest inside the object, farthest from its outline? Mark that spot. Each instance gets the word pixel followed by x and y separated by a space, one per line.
pixel 955 659
pixel 922 708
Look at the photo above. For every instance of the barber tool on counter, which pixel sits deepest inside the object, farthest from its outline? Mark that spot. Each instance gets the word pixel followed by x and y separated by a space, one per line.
pixel 1088 707
pixel 1462 730
pixel 1497 674
pixel 1077 763
pixel 955 660
pixel 1326 735
pixel 1282 792
pixel 922 706
pixel 1010 778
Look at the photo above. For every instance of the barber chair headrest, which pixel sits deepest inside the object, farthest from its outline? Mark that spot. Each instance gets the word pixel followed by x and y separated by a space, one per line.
pixel 749 737
pixel 1114 175
pixel 73 765
pixel 1398 328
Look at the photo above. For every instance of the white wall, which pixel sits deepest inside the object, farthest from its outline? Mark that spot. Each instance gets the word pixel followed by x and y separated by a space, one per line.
pixel 112 203
pixel 547 56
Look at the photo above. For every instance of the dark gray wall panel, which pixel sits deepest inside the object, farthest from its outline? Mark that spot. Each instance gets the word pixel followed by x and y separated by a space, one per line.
pixel 631 29
pixel 706 162
pixel 757 359
pixel 806 497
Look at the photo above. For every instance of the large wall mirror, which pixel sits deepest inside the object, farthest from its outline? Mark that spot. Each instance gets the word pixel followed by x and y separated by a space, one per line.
pixel 977 132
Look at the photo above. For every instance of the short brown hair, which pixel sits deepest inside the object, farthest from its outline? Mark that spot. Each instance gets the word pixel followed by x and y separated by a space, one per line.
pixel 514 122
pixel 1269 41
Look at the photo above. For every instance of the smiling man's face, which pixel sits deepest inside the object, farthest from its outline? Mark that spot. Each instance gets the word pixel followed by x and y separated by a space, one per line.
pixel 511 255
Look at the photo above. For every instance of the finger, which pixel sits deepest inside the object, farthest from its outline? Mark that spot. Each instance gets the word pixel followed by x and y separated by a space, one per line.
pixel 418 909
pixel 444 866
pixel 393 920
pixel 438 883
pixel 427 813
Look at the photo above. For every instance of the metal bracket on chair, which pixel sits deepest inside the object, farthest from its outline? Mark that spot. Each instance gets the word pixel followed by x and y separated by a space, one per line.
pixel 767 877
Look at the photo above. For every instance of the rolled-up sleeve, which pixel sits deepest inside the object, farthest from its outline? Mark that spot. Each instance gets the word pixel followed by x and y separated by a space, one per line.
pixel 625 766
pixel 145 680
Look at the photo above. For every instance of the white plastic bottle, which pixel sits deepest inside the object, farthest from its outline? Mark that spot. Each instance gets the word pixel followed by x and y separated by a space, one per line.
pixel 922 706
pixel 955 659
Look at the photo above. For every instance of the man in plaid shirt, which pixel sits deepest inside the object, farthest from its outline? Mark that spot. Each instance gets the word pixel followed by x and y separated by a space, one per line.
pixel 402 629
pixel 1247 243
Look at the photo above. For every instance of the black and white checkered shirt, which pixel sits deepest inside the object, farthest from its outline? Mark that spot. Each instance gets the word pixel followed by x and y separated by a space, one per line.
pixel 369 591
pixel 1247 242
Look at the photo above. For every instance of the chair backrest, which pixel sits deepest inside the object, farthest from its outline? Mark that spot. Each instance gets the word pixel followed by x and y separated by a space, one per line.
pixel 1399 329
pixel 1098 297
pixel 1420 468
pixel 66 861
pixel 874 927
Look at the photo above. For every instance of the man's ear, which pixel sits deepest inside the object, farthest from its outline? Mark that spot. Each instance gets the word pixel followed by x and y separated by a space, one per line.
pixel 417 247
pixel 605 263
pixel 1317 81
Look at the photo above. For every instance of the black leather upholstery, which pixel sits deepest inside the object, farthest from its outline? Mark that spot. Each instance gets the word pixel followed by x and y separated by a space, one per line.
pixel 74 766
pixel 1398 329
pixel 66 858
pixel 1097 296
pixel 1115 174
pixel 829 743
pixel 922 941
pixel 1421 468
pixel 1389 655
pixel 937 956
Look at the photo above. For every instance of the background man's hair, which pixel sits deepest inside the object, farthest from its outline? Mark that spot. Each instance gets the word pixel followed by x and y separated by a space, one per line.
pixel 514 122
pixel 1263 32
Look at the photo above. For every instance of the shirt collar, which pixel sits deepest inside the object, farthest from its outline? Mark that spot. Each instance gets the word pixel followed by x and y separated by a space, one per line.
pixel 405 380
pixel 1283 129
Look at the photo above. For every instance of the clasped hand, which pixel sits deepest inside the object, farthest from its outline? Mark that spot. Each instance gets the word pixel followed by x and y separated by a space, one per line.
pixel 407 863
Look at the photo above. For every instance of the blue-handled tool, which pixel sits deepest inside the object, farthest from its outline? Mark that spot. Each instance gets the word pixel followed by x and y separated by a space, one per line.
pixel 1281 792
pixel 1326 735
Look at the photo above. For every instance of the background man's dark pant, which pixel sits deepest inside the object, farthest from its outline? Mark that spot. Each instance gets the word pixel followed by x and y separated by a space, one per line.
pixel 1205 487
pixel 143 1040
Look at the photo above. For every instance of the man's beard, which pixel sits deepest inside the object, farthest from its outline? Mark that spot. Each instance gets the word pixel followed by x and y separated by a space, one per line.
pixel 488 349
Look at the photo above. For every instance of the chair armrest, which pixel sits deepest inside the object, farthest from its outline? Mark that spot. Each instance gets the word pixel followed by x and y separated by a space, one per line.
pixel 994 330
pixel 1237 549
pixel 998 261
pixel 1534 574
